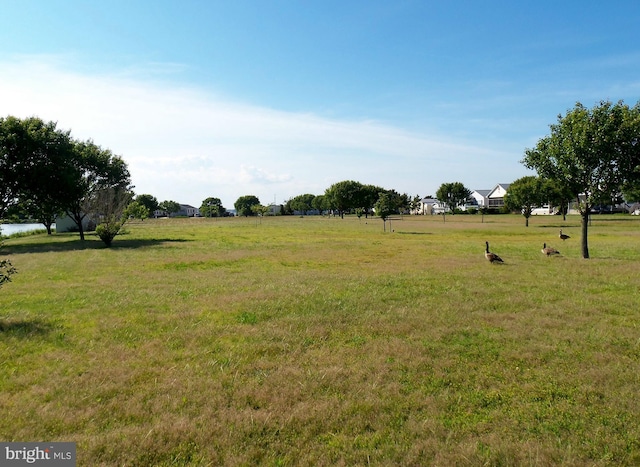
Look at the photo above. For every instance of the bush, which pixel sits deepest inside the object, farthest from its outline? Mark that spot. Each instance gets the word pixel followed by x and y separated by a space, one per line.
pixel 107 232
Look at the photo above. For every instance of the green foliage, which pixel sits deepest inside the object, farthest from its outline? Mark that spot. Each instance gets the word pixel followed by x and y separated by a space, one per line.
pixel 525 194
pixel 170 207
pixel 302 203
pixel 6 270
pixel 244 205
pixel 46 172
pixel 148 201
pixel 136 210
pixel 453 195
pixel 592 154
pixel 343 196
pixel 212 207
pixel 320 203
pixel 108 231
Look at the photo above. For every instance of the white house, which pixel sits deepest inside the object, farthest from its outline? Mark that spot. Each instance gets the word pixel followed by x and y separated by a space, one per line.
pixel 481 197
pixel 496 195
pixel 188 210
pixel 430 206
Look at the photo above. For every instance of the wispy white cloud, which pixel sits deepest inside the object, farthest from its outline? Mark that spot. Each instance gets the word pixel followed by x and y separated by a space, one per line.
pixel 186 143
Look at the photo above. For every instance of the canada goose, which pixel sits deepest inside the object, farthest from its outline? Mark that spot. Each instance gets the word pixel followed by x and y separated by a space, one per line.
pixel 562 236
pixel 492 257
pixel 547 250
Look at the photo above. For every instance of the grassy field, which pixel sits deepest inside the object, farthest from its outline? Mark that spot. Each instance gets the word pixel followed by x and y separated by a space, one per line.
pixel 321 341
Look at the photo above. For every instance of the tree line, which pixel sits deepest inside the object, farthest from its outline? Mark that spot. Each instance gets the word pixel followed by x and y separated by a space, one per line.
pixel 44 172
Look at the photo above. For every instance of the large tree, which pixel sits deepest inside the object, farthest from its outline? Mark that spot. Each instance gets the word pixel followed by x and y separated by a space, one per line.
pixel 13 149
pixel 302 203
pixel 592 153
pixel 43 181
pixel 244 205
pixel 344 196
pixel 90 171
pixel 212 207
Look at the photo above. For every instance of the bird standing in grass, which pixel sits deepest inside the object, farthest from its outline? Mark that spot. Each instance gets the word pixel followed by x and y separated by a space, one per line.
pixel 492 257
pixel 547 250
pixel 562 236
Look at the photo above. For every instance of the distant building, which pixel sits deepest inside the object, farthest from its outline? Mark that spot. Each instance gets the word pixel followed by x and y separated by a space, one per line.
pixel 429 206
pixel 496 196
pixel 481 198
pixel 188 211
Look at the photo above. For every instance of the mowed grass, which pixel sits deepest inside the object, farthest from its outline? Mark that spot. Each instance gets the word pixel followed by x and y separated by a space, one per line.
pixel 325 341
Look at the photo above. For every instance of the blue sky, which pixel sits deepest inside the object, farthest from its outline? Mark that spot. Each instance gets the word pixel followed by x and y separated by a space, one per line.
pixel 280 98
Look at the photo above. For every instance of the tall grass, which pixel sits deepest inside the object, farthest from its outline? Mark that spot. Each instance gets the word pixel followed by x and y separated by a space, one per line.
pixel 321 341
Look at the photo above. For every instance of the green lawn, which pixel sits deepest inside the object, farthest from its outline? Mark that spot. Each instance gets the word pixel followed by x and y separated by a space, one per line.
pixel 326 341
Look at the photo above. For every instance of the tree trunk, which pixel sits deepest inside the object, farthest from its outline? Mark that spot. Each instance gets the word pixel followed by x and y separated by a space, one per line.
pixel 583 236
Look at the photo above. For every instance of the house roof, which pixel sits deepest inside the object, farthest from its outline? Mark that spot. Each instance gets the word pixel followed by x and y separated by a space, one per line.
pixel 504 186
pixel 482 192
pixel 429 201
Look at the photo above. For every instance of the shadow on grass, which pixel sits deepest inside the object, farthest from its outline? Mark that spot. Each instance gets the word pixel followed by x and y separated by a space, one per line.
pixel 414 233
pixel 24 328
pixel 90 243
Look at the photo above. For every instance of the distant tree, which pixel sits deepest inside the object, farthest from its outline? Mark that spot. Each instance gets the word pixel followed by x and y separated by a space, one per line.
pixel 344 196
pixel 302 203
pixel 148 201
pixel 388 203
pixel 415 204
pixel 136 210
pixel 212 207
pixel 591 153
pixel 320 203
pixel 244 203
pixel 366 197
pixel 405 203
pixel 259 209
pixel 170 207
pixel 452 195
pixel 525 194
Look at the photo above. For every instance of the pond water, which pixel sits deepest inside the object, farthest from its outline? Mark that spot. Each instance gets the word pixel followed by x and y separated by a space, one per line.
pixel 10 229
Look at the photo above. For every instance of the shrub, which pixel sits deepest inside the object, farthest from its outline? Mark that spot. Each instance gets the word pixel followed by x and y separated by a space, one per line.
pixel 108 231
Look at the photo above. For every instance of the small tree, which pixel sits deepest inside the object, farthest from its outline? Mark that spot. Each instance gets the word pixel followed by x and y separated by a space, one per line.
pixel 169 207
pixel 148 201
pixel 6 270
pixel 388 203
pixel 135 210
pixel 524 195
pixel 112 204
pixel 452 195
